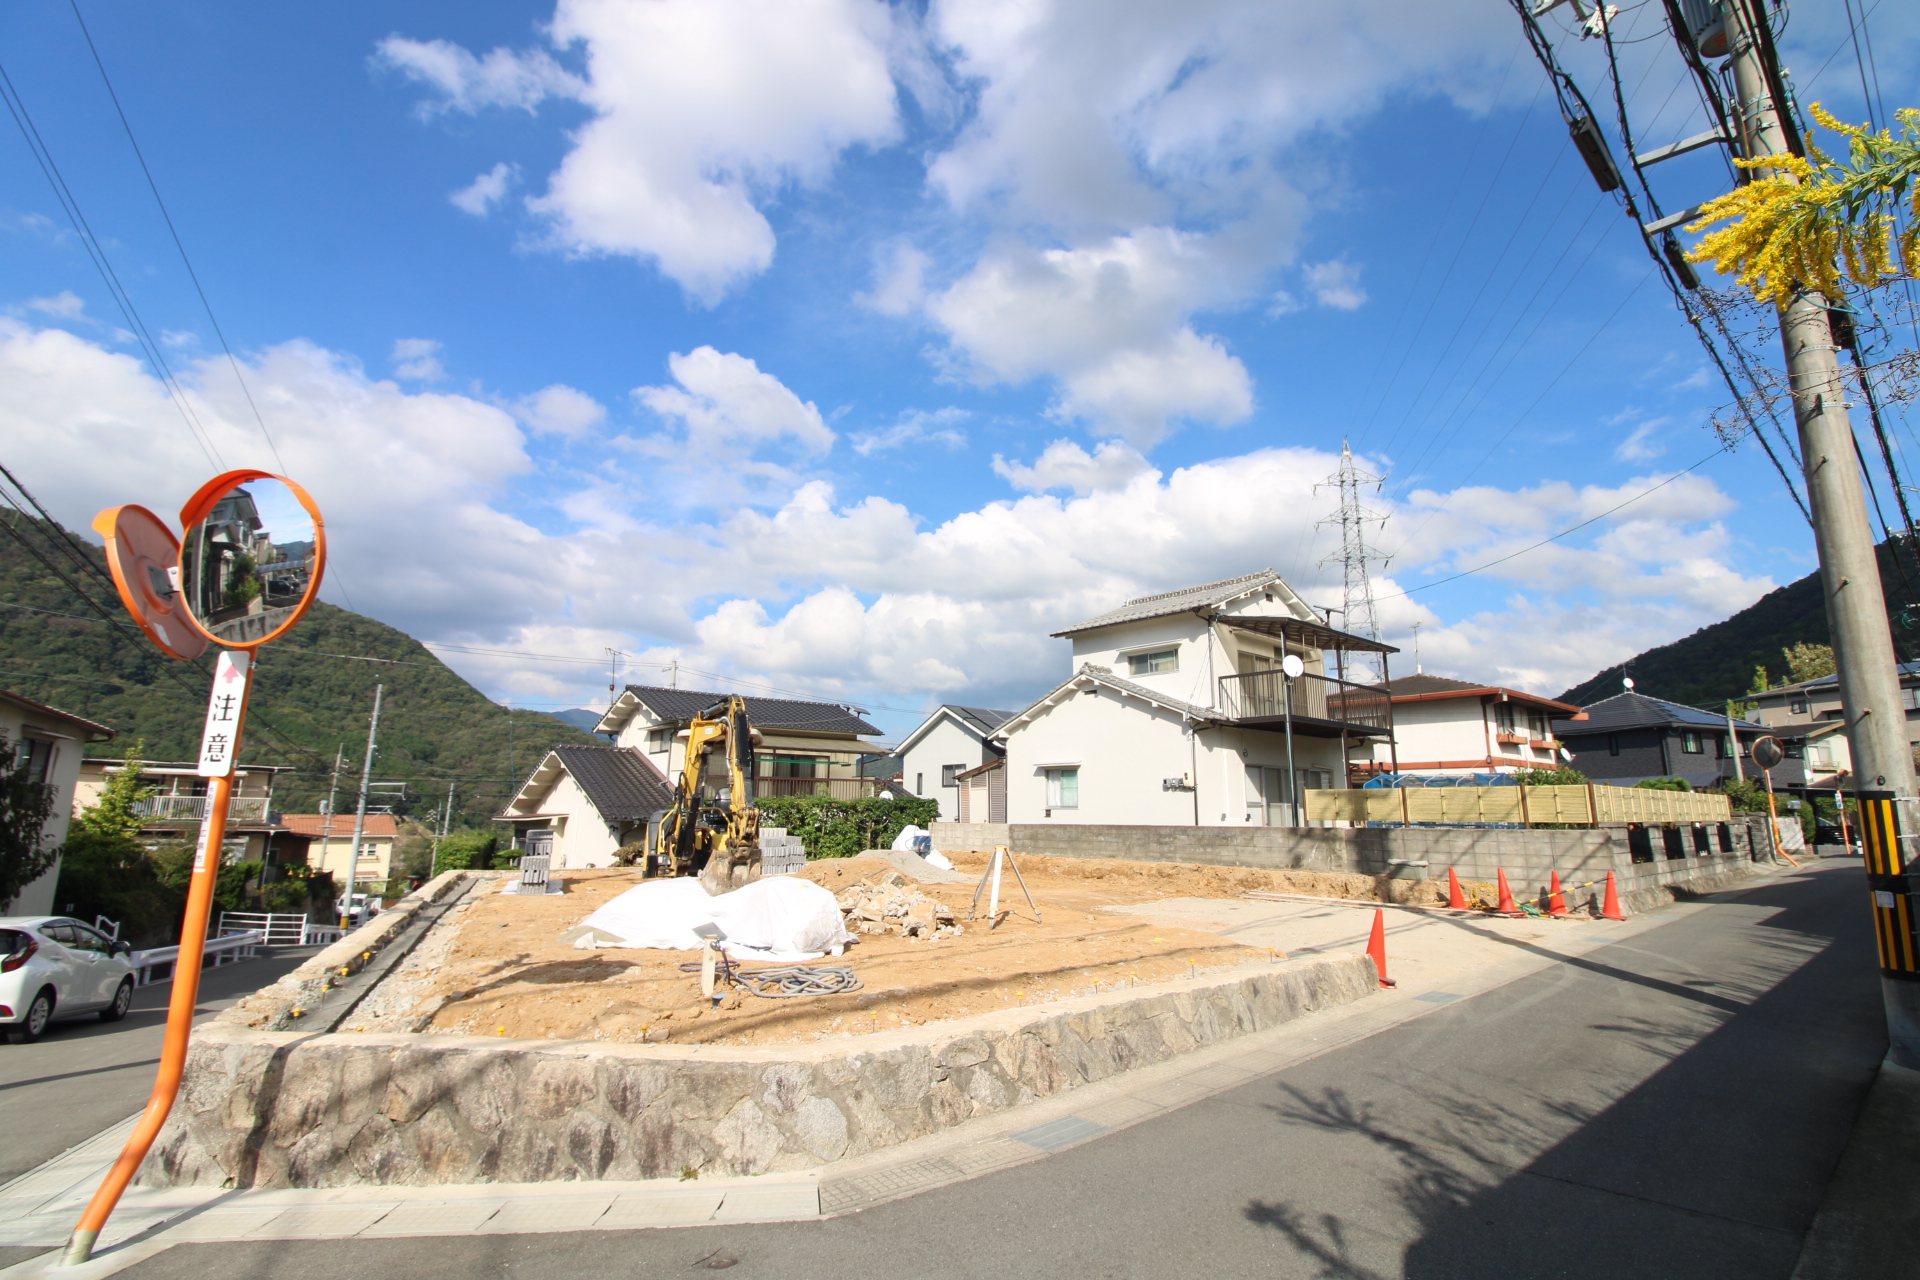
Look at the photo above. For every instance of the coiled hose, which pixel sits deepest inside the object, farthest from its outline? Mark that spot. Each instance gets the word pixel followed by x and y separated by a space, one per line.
pixel 787 981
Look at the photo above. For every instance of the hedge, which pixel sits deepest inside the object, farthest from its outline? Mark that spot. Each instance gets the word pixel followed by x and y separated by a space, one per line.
pixel 842 828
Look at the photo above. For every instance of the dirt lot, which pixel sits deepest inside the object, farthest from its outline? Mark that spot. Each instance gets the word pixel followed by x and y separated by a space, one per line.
pixel 506 972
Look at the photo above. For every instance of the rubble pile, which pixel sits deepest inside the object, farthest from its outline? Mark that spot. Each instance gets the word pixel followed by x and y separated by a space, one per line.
pixel 891 904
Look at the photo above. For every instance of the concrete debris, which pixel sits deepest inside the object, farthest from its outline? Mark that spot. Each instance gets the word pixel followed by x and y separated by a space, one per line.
pixel 891 904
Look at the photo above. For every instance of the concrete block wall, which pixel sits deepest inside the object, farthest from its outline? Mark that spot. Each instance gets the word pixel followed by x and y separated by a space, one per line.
pixel 1529 857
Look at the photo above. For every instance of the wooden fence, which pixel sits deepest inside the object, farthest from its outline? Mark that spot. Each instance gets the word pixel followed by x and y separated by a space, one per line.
pixel 1583 805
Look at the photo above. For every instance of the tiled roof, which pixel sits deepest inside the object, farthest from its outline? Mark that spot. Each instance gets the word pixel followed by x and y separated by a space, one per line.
pixel 1167 602
pixel 1908 671
pixel 1406 685
pixel 682 705
pixel 380 826
pixel 623 785
pixel 1638 711
pixel 97 731
pixel 985 719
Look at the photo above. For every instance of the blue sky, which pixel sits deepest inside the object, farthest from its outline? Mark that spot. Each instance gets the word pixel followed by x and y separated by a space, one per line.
pixel 851 348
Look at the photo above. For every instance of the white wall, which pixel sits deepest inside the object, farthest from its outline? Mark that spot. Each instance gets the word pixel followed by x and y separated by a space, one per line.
pixel 1126 748
pixel 946 742
pixel 37 898
pixel 582 838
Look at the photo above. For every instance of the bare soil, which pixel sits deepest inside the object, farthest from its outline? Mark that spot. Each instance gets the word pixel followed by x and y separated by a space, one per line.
pixel 506 972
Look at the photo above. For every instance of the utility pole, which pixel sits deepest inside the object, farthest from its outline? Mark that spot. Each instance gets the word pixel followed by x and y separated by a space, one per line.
pixel 1733 745
pixel 1357 610
pixel 1849 569
pixel 333 786
pixel 446 820
pixel 360 813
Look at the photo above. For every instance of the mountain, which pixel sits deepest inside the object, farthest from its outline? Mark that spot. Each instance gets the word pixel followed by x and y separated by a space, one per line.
pixel 312 692
pixel 579 718
pixel 1716 663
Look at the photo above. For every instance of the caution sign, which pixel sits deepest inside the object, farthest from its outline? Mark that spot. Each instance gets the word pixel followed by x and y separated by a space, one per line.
pixel 1893 916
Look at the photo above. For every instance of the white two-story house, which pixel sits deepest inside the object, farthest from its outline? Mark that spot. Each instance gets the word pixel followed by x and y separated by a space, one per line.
pixel 1180 712
pixel 948 743
pixel 1459 727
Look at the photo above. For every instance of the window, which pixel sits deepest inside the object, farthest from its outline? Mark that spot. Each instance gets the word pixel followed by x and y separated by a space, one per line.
pixel 1503 716
pixel 919 784
pixel 1063 788
pixel 1690 743
pixel 659 740
pixel 35 755
pixel 1613 744
pixel 1831 713
pixel 1153 664
pixel 1537 724
pixel 1720 748
pixel 1797 708
pixel 948 772
pixel 85 939
pixel 1910 697
pixel 369 851
pixel 790 767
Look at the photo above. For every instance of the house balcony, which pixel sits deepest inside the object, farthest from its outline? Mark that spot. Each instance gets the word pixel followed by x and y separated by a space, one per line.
pixel 819 788
pixel 1317 706
pixel 1510 739
pixel 241 809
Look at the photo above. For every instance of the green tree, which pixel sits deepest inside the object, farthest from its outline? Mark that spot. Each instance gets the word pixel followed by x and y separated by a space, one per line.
pixel 467 851
pixel 1564 776
pixel 25 807
pixel 1664 784
pixel 1808 661
pixel 413 852
pixel 107 871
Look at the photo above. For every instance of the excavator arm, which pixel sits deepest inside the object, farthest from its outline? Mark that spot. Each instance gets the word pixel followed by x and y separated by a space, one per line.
pixel 716 838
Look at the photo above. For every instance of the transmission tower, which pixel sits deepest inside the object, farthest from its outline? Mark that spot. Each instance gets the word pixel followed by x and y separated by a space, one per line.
pixel 1360 617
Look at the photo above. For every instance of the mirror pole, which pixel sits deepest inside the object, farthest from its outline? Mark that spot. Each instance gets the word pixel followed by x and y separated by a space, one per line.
pixel 186 988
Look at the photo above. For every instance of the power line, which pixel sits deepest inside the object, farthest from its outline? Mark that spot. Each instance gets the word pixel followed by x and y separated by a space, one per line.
pixel 175 233
pixel 70 205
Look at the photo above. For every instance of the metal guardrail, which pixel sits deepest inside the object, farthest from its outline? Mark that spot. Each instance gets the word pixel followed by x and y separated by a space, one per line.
pixel 278 928
pixel 194 809
pixel 1578 805
pixel 222 950
pixel 1266 695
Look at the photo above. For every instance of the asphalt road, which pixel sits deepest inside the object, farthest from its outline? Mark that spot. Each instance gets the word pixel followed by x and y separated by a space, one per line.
pixel 1671 1106
pixel 84 1075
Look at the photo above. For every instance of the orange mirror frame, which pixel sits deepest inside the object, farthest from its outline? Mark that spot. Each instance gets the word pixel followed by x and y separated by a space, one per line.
pixel 143 554
pixel 201 505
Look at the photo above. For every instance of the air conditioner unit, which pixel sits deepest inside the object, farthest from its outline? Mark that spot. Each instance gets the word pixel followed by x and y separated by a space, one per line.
pixel 1182 783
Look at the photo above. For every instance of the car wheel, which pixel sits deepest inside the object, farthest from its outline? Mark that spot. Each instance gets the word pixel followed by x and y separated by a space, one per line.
pixel 122 1001
pixel 39 1014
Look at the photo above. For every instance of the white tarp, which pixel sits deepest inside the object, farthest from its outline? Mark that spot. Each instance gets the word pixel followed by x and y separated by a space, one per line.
pixel 919 841
pixel 780 918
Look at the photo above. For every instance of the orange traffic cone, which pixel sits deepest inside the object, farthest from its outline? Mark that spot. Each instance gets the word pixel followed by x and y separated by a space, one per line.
pixel 1556 900
pixel 1377 946
pixel 1507 906
pixel 1456 900
pixel 1610 906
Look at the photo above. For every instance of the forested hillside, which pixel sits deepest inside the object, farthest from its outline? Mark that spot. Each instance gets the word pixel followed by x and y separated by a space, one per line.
pixel 1716 663
pixel 312 694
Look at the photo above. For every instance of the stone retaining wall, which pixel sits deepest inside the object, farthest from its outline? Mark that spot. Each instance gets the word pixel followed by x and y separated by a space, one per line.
pixel 283 1109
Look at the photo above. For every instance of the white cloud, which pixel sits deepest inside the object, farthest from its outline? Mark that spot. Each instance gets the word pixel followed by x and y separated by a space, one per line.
pixel 479 196
pixel 65 305
pixel 1335 284
pixel 852 597
pixel 559 410
pixel 725 400
pixel 916 426
pixel 697 105
pixel 417 360
pixel 1065 465
pixel 1640 446
pixel 502 78
pixel 900 287
pixel 1108 322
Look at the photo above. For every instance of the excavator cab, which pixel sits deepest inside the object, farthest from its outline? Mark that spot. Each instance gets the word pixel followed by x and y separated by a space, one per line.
pixel 713 835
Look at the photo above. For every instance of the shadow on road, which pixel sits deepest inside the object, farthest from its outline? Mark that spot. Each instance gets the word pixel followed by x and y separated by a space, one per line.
pixel 1715 1162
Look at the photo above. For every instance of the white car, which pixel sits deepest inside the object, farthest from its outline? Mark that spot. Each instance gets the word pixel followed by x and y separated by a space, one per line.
pixel 52 967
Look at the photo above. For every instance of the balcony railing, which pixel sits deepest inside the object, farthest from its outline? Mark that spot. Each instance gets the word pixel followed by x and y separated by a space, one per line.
pixel 194 809
pixel 1266 695
pixel 824 788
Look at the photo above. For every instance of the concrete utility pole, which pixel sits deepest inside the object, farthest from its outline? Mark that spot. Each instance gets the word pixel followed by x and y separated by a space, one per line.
pixel 1869 675
pixel 360 813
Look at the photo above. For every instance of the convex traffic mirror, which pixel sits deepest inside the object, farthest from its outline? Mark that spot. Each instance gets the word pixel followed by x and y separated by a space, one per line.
pixel 252 557
pixel 145 559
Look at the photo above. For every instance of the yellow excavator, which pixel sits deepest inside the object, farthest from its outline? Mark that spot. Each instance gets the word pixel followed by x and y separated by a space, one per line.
pixel 716 838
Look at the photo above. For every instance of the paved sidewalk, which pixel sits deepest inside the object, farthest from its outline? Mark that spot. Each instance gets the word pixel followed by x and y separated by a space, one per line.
pixel 1438 960
pixel 1868 1227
